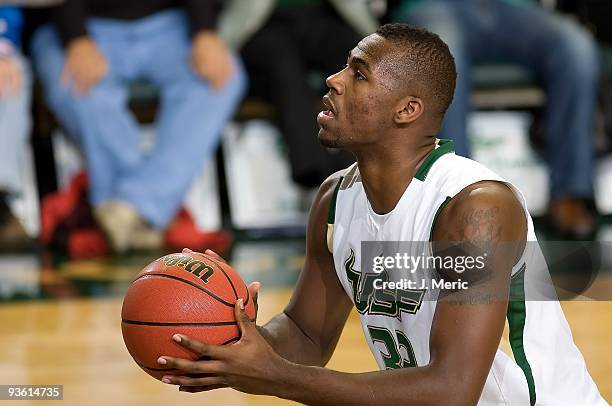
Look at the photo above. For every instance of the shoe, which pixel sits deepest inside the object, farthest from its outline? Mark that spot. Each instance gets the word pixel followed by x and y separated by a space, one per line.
pixel 145 237
pixel 571 217
pixel 183 233
pixel 56 207
pixel 125 228
pixel 13 237
pixel 67 223
pixel 87 243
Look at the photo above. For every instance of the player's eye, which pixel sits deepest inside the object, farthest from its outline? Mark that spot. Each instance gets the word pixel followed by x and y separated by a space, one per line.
pixel 359 75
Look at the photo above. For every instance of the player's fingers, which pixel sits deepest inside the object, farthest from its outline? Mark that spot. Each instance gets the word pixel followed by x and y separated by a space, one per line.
pixel 192 367
pixel 187 251
pixel 244 323
pixel 216 256
pixel 182 364
pixel 211 351
pixel 254 290
pixel 193 381
pixel 196 389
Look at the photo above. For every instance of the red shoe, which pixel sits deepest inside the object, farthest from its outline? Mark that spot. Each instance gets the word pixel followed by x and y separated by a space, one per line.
pixel 87 243
pixel 183 233
pixel 56 207
pixel 67 224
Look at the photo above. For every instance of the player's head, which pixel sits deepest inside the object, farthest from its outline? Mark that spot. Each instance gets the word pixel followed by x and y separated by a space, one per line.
pixel 397 78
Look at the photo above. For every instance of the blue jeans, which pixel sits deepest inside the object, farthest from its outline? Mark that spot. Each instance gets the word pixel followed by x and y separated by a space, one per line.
pixel 15 123
pixel 558 51
pixel 191 113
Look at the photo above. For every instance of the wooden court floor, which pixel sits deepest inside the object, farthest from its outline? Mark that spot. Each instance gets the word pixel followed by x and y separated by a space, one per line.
pixel 77 343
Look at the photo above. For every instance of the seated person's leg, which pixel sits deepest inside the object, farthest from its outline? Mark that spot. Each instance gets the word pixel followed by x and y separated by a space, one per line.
pixel 14 132
pixel 446 19
pixel 99 120
pixel 188 125
pixel 571 83
pixel 565 57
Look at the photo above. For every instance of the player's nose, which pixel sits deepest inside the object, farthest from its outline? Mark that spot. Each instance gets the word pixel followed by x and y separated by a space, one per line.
pixel 334 82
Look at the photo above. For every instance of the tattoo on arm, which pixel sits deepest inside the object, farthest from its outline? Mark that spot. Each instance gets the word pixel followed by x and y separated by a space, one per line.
pixel 476 233
pixel 481 227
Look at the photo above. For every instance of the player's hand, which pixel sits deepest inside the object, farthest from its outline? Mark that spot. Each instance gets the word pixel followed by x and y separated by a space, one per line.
pixel 211 59
pixel 253 286
pixel 85 65
pixel 250 365
pixel 208 252
pixel 10 77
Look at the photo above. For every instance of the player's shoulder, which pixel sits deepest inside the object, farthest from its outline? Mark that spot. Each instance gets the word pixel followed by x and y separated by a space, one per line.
pixel 327 194
pixel 318 230
pixel 451 169
pixel 488 204
pixel 331 182
pixel 486 193
pixel 336 181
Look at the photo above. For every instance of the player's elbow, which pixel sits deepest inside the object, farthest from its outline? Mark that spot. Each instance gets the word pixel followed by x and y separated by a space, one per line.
pixel 457 385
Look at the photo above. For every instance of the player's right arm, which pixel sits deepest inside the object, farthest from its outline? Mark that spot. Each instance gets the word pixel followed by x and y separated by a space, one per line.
pixel 308 329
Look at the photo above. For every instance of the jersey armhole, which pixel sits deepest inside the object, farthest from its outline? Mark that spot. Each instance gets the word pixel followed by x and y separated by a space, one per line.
pixel 438 211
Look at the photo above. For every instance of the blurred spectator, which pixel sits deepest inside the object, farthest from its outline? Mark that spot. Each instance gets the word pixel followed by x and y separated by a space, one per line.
pixel 559 52
pixel 282 43
pixel 14 124
pixel 595 14
pixel 85 61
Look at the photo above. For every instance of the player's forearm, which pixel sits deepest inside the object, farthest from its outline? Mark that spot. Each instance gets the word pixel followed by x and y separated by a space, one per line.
pixel 287 340
pixel 413 386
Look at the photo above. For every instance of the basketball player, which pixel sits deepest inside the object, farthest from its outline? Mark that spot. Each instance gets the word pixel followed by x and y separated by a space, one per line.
pixel 386 107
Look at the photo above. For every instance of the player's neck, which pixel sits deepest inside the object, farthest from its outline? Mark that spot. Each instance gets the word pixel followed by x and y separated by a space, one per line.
pixel 386 175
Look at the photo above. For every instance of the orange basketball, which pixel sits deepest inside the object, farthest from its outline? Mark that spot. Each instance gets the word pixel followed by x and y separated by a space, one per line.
pixel 186 293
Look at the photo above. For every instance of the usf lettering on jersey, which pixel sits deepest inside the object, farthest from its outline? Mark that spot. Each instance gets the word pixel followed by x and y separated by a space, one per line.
pixel 388 303
pixel 384 302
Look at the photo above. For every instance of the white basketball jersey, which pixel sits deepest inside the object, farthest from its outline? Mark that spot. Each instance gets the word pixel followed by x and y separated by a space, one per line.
pixel 545 367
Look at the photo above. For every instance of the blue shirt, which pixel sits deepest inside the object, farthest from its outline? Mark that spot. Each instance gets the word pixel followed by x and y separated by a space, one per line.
pixel 11 22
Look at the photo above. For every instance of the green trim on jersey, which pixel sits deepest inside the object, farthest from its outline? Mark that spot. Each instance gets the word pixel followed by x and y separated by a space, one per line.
pixel 443 205
pixel 331 214
pixel 331 217
pixel 516 321
pixel 444 147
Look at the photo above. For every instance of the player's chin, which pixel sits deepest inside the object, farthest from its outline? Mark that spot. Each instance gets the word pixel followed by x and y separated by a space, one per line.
pixel 328 138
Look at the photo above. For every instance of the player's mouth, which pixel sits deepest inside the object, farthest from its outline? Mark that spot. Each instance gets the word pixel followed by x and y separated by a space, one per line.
pixel 330 112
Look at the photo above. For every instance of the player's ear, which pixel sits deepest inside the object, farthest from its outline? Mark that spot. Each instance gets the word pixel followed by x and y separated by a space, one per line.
pixel 408 110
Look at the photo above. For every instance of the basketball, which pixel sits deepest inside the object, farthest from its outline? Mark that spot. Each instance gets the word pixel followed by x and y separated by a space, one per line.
pixel 186 293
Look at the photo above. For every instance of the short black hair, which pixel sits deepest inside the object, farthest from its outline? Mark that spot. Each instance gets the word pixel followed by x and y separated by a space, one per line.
pixel 427 62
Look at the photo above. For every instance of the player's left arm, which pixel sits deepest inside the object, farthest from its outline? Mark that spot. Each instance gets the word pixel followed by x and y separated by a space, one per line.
pixel 465 334
pixel 484 220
